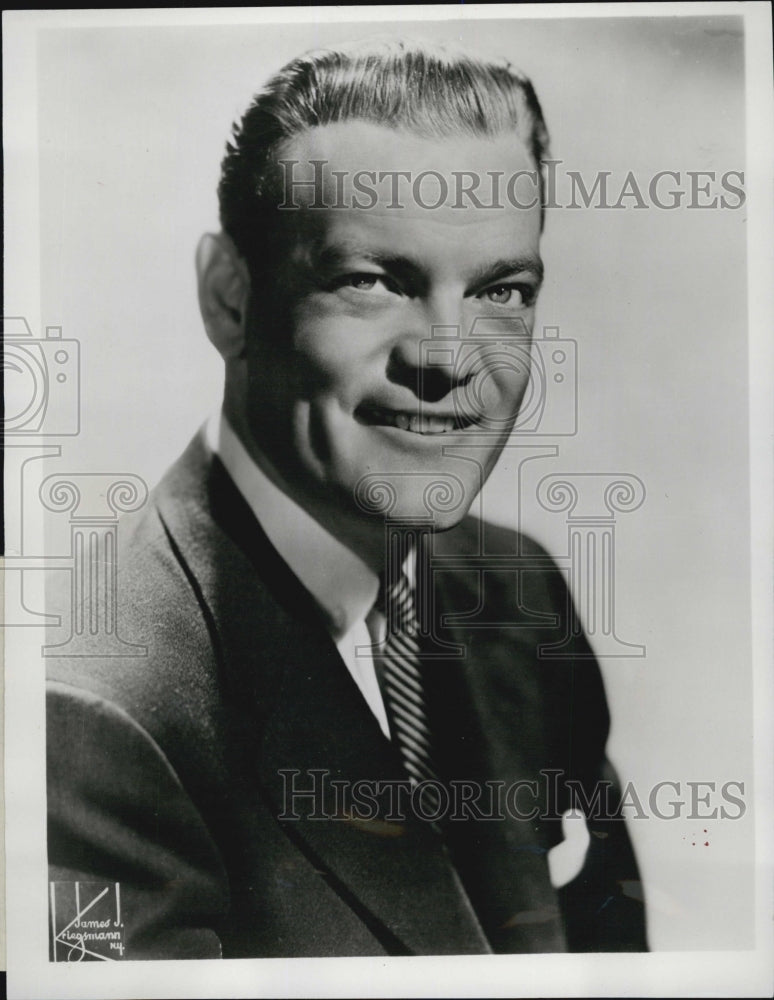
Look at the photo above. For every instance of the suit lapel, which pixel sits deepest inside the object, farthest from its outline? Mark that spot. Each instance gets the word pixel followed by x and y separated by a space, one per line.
pixel 302 724
pixel 489 720
pixel 398 871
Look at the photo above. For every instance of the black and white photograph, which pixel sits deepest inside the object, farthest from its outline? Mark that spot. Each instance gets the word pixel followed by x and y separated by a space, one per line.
pixel 388 501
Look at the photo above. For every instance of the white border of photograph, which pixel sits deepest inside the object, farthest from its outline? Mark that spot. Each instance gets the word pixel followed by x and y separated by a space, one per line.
pixel 656 974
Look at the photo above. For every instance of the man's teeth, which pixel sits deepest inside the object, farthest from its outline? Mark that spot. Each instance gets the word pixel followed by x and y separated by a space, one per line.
pixel 421 424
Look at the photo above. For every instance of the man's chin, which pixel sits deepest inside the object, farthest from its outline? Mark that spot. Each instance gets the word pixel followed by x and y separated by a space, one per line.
pixel 432 501
pixel 445 522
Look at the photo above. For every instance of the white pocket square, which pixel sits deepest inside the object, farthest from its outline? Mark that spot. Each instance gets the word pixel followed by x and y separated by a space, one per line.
pixel 566 859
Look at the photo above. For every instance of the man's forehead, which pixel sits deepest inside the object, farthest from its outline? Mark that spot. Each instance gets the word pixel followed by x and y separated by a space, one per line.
pixel 363 145
pixel 379 168
pixel 360 186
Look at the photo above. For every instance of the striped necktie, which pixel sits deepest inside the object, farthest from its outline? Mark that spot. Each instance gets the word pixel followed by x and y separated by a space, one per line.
pixel 400 680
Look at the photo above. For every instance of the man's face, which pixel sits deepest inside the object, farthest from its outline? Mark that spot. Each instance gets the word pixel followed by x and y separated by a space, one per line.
pixel 390 345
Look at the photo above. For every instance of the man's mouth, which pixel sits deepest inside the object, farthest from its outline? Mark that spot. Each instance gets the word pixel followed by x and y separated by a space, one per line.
pixel 415 423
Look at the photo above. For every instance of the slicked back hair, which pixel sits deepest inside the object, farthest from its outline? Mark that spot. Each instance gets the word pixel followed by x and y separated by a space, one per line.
pixel 429 91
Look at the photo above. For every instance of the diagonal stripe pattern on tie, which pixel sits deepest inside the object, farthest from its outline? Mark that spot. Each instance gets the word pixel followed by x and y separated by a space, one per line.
pixel 401 683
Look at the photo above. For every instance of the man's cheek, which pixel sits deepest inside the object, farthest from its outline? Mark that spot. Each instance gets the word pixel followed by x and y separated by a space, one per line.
pixel 330 364
pixel 495 394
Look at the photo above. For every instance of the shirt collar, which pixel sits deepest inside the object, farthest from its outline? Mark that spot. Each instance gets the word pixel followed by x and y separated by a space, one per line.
pixel 340 582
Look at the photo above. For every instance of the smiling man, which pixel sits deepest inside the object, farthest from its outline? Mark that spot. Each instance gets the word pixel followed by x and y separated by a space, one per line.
pixel 326 349
pixel 320 756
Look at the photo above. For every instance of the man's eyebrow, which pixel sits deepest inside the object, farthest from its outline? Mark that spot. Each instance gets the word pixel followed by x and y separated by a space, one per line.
pixel 488 273
pixel 338 254
pixel 332 256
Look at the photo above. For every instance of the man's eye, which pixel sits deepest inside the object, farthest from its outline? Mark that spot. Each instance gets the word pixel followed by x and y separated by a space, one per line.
pixel 367 282
pixel 503 295
pixel 363 282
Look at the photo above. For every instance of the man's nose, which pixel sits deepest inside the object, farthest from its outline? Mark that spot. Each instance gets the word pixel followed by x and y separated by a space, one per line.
pixel 426 354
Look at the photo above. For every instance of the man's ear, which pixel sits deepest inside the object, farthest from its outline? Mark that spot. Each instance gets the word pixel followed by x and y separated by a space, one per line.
pixel 224 290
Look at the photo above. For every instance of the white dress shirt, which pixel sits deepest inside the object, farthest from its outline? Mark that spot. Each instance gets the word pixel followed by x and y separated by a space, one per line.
pixel 340 582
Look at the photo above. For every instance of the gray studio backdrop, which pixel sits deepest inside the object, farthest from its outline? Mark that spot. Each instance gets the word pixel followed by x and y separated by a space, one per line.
pixel 650 302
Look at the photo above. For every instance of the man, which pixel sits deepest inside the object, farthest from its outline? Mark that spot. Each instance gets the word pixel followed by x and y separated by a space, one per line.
pixel 322 754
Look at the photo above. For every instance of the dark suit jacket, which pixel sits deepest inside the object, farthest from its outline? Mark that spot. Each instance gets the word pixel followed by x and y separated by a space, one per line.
pixel 169 773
